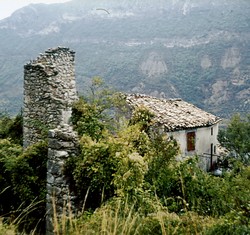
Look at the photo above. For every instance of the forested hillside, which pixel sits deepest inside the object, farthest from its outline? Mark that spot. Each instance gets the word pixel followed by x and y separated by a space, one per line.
pixel 198 51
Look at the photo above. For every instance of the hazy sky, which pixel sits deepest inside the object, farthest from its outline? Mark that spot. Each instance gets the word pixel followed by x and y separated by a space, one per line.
pixel 7 7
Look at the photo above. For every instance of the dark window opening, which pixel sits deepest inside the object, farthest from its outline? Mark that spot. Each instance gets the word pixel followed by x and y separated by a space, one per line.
pixel 190 141
pixel 212 131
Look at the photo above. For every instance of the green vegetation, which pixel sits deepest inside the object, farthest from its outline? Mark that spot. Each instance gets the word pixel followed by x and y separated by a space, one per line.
pixel 115 47
pixel 126 178
pixel 236 138
pixel 11 128
pixel 22 178
pixel 130 183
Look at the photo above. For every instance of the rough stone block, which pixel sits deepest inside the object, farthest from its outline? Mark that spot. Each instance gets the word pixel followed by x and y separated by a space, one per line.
pixel 61 154
pixel 50 178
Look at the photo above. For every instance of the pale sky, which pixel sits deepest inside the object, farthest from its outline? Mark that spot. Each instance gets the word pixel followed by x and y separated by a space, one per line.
pixel 7 7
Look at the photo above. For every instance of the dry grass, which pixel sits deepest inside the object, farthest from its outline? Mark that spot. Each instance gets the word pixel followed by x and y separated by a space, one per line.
pixel 119 218
pixel 6 229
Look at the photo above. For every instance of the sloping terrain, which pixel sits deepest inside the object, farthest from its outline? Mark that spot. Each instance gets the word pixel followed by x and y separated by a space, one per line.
pixel 169 48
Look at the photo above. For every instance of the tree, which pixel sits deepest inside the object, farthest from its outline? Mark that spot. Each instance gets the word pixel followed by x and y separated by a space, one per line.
pixel 116 163
pixel 236 138
pixel 102 109
pixel 11 128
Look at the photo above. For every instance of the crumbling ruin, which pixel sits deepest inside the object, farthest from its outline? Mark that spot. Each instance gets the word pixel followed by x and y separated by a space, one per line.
pixel 49 91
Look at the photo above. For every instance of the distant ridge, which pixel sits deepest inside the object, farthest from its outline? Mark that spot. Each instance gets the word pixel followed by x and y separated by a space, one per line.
pixel 195 50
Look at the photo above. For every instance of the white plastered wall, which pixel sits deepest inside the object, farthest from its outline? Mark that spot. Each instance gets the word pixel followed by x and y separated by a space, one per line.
pixel 204 137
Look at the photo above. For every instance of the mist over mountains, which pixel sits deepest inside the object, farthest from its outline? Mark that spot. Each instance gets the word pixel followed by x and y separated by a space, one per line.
pixel 197 51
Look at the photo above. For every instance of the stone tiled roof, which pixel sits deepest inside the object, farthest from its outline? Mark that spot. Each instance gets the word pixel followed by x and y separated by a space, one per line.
pixel 173 114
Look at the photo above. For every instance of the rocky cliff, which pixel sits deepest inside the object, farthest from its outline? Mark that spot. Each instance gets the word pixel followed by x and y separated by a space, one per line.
pixel 198 51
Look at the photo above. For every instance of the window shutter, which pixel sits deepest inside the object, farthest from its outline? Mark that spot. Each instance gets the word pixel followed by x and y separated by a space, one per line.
pixel 190 141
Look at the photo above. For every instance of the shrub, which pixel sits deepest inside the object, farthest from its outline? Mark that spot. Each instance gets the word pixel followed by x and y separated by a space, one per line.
pixel 23 180
pixel 12 128
pixel 236 138
pixel 92 172
pixel 8 154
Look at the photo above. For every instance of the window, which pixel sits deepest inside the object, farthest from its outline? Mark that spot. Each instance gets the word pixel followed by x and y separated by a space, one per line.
pixel 212 130
pixel 190 141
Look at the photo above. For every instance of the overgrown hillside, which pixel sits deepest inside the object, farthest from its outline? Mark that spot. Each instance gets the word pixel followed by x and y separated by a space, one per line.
pixel 188 49
pixel 126 178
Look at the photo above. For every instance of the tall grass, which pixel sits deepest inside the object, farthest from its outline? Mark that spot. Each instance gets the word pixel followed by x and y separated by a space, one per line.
pixel 113 218
pixel 118 217
pixel 15 221
pixel 6 229
pixel 121 218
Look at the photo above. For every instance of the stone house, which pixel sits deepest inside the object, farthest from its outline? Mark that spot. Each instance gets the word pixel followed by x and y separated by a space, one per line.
pixel 194 129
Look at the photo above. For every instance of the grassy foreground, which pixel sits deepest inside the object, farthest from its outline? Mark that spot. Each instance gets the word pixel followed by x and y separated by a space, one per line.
pixel 118 218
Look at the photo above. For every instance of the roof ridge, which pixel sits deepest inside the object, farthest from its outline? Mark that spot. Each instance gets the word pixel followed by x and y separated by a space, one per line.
pixel 174 114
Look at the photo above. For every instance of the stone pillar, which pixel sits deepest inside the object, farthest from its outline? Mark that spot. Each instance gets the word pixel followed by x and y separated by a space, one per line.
pixel 49 90
pixel 63 142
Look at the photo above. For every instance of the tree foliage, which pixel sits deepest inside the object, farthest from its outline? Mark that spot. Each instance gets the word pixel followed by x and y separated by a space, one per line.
pixel 236 138
pixel 11 128
pixel 117 164
pixel 126 177
pixel 137 166
pixel 22 177
pixel 23 184
pixel 102 109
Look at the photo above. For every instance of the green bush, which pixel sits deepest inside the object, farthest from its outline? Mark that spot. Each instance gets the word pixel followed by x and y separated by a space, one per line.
pixel 12 128
pixel 116 164
pixel 87 119
pixel 236 138
pixel 233 223
pixel 23 184
pixel 203 192
pixel 29 177
pixel 91 173
pixel 8 155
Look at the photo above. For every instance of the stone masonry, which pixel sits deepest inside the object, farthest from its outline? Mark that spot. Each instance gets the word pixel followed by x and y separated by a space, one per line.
pixel 63 142
pixel 49 90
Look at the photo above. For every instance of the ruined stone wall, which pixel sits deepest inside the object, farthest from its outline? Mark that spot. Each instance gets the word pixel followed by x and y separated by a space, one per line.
pixel 62 143
pixel 49 90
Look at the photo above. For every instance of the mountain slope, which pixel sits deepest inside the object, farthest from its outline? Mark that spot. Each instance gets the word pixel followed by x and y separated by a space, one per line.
pixel 169 48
